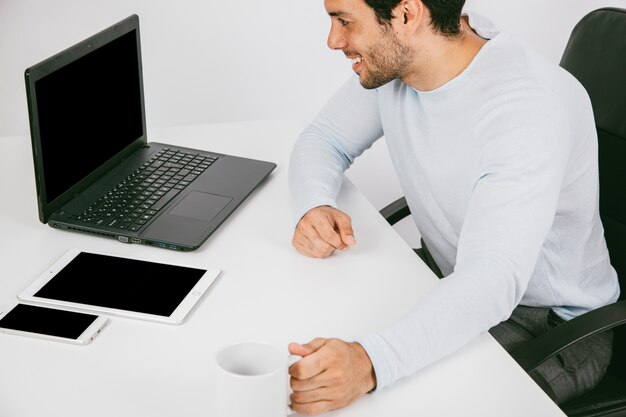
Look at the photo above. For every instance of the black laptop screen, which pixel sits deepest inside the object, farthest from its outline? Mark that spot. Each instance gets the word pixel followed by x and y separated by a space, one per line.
pixel 89 110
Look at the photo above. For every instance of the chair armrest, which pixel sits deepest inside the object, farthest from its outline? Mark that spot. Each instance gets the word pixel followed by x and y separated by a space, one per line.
pixel 396 211
pixel 536 351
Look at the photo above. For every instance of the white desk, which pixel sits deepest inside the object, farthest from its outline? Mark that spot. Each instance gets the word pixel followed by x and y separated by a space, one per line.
pixel 266 292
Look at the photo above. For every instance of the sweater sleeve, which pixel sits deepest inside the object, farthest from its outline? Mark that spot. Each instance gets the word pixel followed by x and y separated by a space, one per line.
pixel 348 125
pixel 524 151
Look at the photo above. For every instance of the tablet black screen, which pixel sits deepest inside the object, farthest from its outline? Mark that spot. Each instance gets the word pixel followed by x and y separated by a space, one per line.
pixel 120 283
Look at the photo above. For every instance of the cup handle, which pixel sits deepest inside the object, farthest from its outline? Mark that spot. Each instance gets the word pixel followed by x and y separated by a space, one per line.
pixel 291 359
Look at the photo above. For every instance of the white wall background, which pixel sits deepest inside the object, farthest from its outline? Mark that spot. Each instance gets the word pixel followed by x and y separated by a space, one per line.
pixel 216 61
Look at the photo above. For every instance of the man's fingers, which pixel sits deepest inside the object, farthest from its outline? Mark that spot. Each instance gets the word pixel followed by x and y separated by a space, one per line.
pixel 315 344
pixel 303 397
pixel 305 246
pixel 318 247
pixel 298 349
pixel 322 248
pixel 322 380
pixel 311 409
pixel 326 229
pixel 344 227
pixel 307 367
pixel 349 240
pixel 312 363
pixel 323 235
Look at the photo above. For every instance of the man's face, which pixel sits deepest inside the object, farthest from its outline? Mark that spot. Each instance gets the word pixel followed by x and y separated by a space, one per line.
pixel 377 55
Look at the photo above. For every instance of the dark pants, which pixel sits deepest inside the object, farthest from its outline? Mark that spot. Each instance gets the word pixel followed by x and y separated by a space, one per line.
pixel 568 374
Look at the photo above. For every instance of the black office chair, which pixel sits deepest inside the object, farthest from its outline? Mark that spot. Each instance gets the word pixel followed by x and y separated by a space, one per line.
pixel 596 56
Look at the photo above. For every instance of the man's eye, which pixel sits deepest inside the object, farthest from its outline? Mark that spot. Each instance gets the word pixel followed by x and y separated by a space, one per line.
pixel 342 22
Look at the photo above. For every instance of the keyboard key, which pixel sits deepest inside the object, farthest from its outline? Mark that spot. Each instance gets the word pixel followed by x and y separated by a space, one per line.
pixel 165 199
pixel 173 165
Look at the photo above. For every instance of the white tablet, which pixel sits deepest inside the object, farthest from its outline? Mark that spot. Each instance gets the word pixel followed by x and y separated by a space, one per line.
pixel 121 286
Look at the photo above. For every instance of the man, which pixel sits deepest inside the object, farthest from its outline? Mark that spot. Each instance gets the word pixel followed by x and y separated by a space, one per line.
pixel 496 152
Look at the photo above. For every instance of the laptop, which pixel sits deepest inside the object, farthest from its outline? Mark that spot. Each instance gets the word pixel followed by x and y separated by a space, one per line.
pixel 95 170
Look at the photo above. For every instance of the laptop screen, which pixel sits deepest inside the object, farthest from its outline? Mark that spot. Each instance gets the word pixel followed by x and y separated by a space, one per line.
pixel 89 110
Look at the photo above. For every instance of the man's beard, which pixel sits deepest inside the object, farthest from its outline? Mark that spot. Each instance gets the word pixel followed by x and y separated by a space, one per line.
pixel 386 60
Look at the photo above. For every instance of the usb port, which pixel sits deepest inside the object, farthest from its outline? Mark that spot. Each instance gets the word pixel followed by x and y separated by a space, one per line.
pixel 135 240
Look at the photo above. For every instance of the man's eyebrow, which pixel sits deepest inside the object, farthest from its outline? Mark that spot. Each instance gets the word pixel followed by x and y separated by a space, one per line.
pixel 339 14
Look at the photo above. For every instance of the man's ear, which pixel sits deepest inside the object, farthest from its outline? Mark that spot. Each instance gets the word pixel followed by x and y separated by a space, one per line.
pixel 409 15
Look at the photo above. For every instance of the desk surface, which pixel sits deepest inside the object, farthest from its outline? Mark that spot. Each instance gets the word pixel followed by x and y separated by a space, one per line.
pixel 267 292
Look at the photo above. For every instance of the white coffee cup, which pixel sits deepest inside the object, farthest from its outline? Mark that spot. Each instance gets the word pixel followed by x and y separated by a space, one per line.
pixel 253 381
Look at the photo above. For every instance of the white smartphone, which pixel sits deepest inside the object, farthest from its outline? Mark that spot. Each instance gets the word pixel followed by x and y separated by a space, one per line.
pixel 51 324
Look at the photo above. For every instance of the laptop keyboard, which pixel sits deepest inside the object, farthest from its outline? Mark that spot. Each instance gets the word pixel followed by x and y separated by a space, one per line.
pixel 133 202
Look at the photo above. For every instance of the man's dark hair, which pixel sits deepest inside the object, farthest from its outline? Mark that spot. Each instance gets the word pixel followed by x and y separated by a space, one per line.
pixel 445 14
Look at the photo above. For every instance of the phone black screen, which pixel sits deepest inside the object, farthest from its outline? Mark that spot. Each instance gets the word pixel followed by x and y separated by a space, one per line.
pixel 121 283
pixel 47 321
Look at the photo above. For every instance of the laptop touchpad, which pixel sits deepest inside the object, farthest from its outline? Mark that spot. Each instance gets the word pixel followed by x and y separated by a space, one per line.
pixel 200 206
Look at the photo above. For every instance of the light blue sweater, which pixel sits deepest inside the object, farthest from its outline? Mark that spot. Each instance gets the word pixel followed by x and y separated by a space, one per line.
pixel 499 168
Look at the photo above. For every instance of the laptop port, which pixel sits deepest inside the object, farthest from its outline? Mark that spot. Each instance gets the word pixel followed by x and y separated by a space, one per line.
pixel 135 240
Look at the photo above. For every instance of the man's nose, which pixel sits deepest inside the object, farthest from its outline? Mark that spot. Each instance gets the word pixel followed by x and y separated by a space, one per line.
pixel 336 39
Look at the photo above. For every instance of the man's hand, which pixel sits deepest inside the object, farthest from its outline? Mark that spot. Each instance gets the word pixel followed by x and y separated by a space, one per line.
pixel 331 375
pixel 321 231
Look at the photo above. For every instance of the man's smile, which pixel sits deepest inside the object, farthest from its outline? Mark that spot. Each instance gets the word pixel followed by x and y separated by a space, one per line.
pixel 356 60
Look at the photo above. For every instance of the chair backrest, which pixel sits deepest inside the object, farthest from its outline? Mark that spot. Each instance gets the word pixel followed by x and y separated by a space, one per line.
pixel 596 56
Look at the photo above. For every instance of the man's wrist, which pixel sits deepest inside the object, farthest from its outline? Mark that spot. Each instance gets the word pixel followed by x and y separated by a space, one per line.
pixel 365 363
